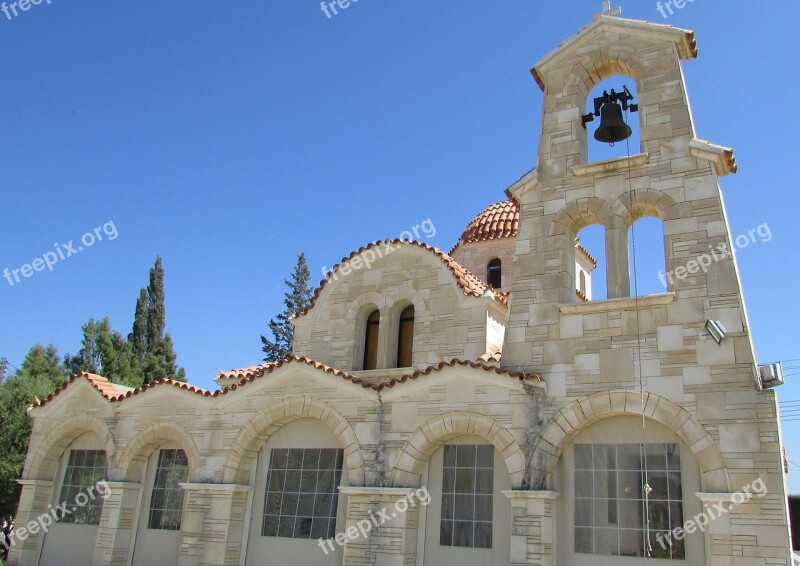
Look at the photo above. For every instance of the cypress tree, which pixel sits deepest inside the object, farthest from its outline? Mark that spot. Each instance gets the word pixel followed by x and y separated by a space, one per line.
pixel 138 337
pixel 156 312
pixel 297 298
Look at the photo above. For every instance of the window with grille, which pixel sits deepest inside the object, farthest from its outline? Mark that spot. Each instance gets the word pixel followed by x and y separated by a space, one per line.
pixel 166 503
pixel 302 493
pixel 626 495
pixel 85 469
pixel 467 496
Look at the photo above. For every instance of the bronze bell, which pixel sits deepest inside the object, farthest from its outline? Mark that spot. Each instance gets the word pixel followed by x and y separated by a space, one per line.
pixel 612 127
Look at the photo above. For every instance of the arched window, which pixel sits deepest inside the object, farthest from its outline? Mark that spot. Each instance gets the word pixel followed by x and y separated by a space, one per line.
pixel 593 240
pixel 650 259
pixel 494 273
pixel 405 337
pixel 371 340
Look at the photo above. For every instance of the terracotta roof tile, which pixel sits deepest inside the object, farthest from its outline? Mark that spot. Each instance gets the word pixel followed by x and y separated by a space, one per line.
pixel 500 220
pixel 114 392
pixel 248 375
pixel 470 283
pixel 584 250
pixel 490 358
pixel 522 376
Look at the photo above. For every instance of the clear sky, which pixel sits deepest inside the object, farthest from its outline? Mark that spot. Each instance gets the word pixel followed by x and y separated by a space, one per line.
pixel 227 137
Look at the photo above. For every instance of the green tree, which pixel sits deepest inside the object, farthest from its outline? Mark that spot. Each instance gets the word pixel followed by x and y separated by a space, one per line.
pixel 138 336
pixel 105 352
pixel 297 298
pixel 39 375
pixel 159 359
pixel 147 355
pixel 156 311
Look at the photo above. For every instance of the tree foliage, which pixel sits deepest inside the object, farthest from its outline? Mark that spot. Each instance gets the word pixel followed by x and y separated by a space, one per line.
pixel 39 375
pixel 297 298
pixel 147 354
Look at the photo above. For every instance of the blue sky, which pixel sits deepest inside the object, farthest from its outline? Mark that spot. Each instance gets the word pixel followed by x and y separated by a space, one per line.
pixel 227 137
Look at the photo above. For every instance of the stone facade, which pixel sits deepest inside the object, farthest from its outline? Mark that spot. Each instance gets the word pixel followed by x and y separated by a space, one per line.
pixel 570 370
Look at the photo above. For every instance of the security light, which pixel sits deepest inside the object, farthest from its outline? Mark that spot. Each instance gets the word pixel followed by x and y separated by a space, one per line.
pixel 716 330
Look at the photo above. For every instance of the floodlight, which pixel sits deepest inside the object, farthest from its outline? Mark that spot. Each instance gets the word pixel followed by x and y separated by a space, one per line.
pixel 716 330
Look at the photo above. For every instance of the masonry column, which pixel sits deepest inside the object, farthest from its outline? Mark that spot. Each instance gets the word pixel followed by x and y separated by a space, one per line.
pixel 618 274
pixel 391 542
pixel 213 524
pixel 34 501
pixel 533 527
pixel 118 523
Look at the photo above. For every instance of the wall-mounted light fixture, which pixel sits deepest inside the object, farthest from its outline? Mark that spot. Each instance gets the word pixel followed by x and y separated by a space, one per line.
pixel 716 330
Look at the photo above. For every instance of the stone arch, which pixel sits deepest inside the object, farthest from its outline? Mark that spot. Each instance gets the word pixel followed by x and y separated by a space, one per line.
pixel 634 205
pixel 357 314
pixel 133 459
pixel 245 448
pixel 583 412
pixel 407 470
pixel 364 300
pixel 578 214
pixel 44 463
pixel 596 67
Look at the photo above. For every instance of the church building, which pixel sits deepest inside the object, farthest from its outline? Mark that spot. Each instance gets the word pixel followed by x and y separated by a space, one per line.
pixel 473 407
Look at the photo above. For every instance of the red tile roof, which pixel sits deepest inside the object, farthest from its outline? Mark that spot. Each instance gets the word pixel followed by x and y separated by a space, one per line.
pixel 500 220
pixel 470 283
pixel 248 375
pixel 522 376
pixel 584 250
pixel 114 392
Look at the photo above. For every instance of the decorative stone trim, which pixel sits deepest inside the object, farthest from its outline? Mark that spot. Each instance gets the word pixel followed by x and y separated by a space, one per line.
pixel 355 490
pixel 35 483
pixel 124 485
pixel 715 497
pixel 722 157
pixel 216 487
pixel 616 164
pixel 625 303
pixel 528 494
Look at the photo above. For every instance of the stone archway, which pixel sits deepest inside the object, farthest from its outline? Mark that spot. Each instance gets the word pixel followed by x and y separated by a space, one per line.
pixel 44 463
pixel 407 471
pixel 133 459
pixel 581 413
pixel 244 450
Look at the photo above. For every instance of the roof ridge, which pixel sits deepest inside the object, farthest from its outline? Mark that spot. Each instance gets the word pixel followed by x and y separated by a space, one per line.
pixel 468 281
pixel 265 369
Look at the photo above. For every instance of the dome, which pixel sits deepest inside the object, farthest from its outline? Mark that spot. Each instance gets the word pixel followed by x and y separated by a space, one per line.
pixel 500 220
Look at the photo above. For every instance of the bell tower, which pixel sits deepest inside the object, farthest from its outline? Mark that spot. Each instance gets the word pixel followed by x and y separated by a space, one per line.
pixel 629 355
pixel 673 176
